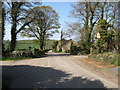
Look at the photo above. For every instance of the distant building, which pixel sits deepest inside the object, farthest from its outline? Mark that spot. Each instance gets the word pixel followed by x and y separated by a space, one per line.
pixel 66 45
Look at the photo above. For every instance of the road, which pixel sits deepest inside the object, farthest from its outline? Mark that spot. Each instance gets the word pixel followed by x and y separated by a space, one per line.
pixel 52 71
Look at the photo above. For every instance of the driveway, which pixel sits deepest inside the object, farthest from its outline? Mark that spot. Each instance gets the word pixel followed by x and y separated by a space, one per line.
pixel 52 71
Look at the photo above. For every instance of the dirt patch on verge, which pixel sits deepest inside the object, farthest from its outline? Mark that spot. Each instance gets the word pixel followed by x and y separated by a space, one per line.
pixel 99 64
pixel 99 68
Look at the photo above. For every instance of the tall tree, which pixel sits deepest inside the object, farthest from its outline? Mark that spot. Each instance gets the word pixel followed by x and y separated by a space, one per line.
pixel 46 20
pixel 81 11
pixel 94 17
pixel 3 25
pixel 61 39
pixel 102 9
pixel 19 18
pixel 107 11
pixel 1 31
pixel 89 14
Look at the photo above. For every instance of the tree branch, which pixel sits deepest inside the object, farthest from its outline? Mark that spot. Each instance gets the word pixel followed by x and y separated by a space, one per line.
pixel 34 33
pixel 27 23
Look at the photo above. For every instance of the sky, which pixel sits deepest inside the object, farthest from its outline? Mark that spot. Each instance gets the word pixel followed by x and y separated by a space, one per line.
pixel 62 8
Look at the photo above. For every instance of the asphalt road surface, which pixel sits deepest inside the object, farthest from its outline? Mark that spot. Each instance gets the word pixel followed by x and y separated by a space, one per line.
pixel 52 71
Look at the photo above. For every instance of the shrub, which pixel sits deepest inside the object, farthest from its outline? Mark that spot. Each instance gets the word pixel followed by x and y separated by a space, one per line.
pixel 115 60
pixel 108 57
pixel 21 54
pixel 74 50
pixel 67 51
pixel 38 53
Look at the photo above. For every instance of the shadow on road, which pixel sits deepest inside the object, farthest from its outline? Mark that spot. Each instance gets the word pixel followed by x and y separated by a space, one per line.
pixel 25 76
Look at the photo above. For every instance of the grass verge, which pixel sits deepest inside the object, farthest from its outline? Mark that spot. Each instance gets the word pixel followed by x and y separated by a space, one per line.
pixel 108 58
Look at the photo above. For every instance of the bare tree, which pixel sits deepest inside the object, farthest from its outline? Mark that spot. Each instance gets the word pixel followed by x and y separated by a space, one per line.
pixel 73 31
pixel 87 13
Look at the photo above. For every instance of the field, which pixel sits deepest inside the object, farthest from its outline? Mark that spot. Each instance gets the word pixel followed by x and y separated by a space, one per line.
pixel 25 44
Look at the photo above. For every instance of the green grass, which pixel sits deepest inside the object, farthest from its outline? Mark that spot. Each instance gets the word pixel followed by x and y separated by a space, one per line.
pixel 49 44
pixel 25 44
pixel 109 57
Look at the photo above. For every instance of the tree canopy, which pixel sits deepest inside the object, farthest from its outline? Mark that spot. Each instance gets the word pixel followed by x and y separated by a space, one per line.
pixel 45 24
pixel 18 17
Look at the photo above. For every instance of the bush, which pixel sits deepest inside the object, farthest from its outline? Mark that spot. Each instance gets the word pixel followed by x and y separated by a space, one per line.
pixel 21 54
pixel 115 60
pixel 79 50
pixel 38 53
pixel 108 57
pixel 74 50
pixel 68 51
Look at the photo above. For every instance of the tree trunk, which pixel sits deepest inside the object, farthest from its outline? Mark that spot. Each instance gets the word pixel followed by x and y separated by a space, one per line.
pixel 1 31
pixel 87 21
pixel 87 16
pixel 89 36
pixel 13 36
pixel 42 43
pixel 14 13
pixel 102 13
pixel 61 41
pixel 3 28
pixel 102 10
